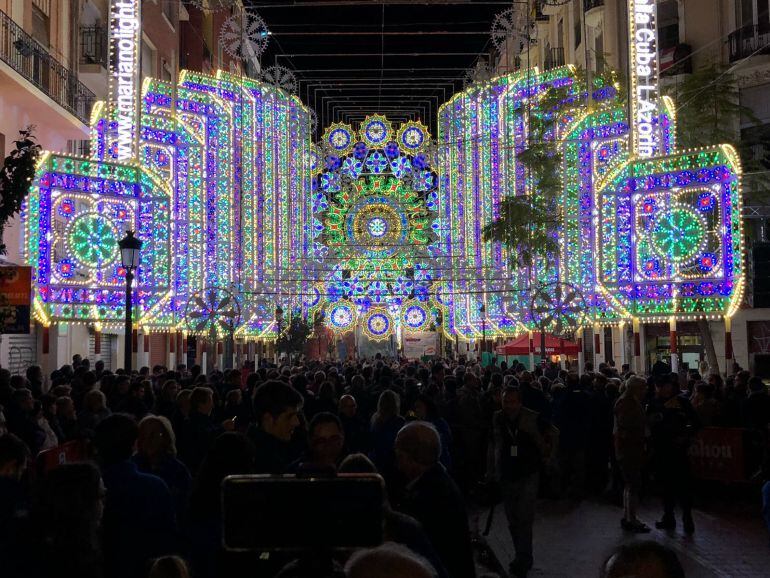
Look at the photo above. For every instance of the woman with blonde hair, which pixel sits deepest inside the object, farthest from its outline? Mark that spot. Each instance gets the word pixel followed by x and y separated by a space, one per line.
pixel 156 454
pixel 386 422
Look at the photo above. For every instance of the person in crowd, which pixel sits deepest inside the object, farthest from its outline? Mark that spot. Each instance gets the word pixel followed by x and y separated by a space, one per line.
pixel 22 420
pixel 432 497
pixel 425 409
pixel 14 502
pixel 397 526
pixel 199 431
pixel 156 454
pixel 386 422
pixel 356 431
pixel 169 567
pixel 165 403
pixel 326 442
pixel 573 418
pixel 630 439
pixel 34 375
pixel 51 439
pixel 646 558
pixel 67 418
pixel 756 408
pixel 139 517
pixel 519 448
pixel 388 561
pixel 231 454
pixel 66 516
pixel 277 409
pixel 94 411
pixel 672 422
pixel 705 404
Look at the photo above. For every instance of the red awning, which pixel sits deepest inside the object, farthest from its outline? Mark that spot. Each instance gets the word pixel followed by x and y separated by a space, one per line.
pixel 553 346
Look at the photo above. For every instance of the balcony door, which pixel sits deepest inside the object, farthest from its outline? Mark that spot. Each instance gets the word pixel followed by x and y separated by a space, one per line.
pixel 753 13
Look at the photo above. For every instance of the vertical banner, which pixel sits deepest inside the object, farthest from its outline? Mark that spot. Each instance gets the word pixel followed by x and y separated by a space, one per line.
pixel 15 299
pixel 125 44
pixel 644 74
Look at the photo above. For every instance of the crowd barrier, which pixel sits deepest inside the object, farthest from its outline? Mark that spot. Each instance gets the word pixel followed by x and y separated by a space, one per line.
pixel 727 454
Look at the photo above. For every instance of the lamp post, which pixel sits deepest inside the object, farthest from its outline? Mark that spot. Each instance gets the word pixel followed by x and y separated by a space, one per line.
pixel 279 322
pixel 130 248
pixel 483 310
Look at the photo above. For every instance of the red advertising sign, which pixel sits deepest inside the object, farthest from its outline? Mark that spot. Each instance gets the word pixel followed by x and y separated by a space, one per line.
pixel 717 454
pixel 15 299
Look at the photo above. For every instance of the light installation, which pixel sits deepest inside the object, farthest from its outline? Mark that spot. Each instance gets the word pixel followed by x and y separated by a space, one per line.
pixel 375 227
pixel 376 222
pixel 649 237
pixel 218 193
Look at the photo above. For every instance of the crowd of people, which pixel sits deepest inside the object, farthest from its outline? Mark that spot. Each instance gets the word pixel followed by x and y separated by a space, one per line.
pixel 145 500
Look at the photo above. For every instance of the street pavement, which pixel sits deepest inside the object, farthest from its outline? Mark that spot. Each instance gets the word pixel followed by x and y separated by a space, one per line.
pixel 572 539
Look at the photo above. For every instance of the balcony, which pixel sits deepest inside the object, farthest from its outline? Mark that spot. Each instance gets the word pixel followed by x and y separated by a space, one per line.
pixel 554 58
pixel 591 4
pixel 31 60
pixel 93 45
pixel 748 41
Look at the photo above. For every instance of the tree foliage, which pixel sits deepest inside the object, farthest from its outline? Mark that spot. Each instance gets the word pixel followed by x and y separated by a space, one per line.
pixel 16 177
pixel 295 337
pixel 709 112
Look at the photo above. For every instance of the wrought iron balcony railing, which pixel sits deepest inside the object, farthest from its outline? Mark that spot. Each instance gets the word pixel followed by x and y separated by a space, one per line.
pixel 749 40
pixel 32 61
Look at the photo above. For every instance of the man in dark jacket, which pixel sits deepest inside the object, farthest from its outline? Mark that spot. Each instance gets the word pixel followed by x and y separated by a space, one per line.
pixel 276 413
pixel 433 499
pixel 520 447
pixel 199 431
pixel 673 422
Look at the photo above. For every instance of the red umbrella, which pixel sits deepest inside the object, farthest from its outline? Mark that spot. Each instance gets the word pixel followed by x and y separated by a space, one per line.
pixel 553 346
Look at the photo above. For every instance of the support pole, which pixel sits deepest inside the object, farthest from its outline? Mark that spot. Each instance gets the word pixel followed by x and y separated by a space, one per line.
pixel 531 351
pixel 728 346
pixel 581 353
pixel 674 345
pixel 128 331
pixel 638 369
pixel 597 346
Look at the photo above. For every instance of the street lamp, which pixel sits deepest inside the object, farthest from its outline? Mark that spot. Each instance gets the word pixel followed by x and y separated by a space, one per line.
pixel 279 322
pixel 130 248
pixel 483 310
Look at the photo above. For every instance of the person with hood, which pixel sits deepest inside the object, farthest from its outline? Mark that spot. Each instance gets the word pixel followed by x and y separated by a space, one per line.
pixel 630 432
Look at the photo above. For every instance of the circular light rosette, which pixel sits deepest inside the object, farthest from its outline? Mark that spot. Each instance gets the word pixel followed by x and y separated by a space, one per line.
pixel 342 317
pixel 92 240
pixel 376 131
pixel 377 225
pixel 413 136
pixel 339 138
pixel 678 233
pixel 415 317
pixel 378 324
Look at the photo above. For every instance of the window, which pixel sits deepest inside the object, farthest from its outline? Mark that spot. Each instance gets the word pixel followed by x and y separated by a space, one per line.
pixel 169 8
pixel 599 51
pixel 578 23
pixel 41 27
pixel 668 24
pixel 147 59
pixel 752 13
